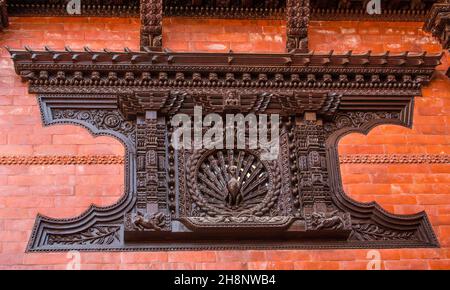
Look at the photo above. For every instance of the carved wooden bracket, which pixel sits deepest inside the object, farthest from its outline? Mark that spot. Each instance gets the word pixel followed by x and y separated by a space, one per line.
pixel 228 199
pixel 438 23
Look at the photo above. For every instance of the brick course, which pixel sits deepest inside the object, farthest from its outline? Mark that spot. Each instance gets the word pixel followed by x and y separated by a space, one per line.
pixel 64 191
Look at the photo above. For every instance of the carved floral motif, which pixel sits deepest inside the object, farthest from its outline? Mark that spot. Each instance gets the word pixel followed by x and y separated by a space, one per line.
pixel 101 119
pixel 370 232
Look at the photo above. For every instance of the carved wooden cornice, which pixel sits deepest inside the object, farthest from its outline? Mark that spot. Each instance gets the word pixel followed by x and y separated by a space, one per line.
pixel 52 71
pixel 177 198
pixel 391 10
pixel 104 8
pixel 407 10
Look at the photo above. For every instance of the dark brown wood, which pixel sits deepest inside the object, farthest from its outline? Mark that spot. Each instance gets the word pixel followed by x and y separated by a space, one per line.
pixel 108 8
pixel 3 15
pixel 228 199
pixel 392 10
pixel 297 14
pixel 151 23
pixel 438 23
pixel 398 10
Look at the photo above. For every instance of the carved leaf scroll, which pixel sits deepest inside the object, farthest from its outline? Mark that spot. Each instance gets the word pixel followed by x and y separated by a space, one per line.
pixel 371 232
pixel 98 235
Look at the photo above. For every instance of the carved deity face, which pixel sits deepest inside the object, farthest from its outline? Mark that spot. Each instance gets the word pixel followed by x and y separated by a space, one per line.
pixel 146 76
pixel 95 75
pixel 60 75
pixel 279 77
pixel 129 76
pixel 112 76
pixel 78 75
pixel 43 75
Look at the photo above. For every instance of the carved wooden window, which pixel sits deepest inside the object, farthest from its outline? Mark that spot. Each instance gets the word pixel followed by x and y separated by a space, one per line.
pixel 229 199
pixel 190 199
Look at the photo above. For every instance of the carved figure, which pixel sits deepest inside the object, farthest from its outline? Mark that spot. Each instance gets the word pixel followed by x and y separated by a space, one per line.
pixel 330 221
pixel 234 197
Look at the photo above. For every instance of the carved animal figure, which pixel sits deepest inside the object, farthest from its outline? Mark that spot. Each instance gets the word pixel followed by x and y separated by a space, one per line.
pixel 234 197
pixel 331 221
pixel 149 221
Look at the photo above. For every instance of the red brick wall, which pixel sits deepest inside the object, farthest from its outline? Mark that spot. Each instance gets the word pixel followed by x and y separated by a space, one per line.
pixel 67 190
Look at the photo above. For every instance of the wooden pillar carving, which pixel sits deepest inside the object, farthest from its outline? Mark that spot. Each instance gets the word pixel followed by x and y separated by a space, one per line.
pixel 151 24
pixel 298 14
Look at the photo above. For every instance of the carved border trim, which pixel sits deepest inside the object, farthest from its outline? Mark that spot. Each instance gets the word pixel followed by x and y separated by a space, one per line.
pixel 62 160
pixel 117 159
pixel 394 158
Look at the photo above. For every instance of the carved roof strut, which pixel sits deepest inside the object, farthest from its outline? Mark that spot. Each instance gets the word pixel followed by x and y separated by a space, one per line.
pixel 438 23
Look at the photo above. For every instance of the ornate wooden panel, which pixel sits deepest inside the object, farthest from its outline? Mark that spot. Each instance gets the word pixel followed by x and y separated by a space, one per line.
pixel 228 199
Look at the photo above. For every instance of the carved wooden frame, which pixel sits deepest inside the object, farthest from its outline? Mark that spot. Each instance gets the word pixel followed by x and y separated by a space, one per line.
pixel 129 95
